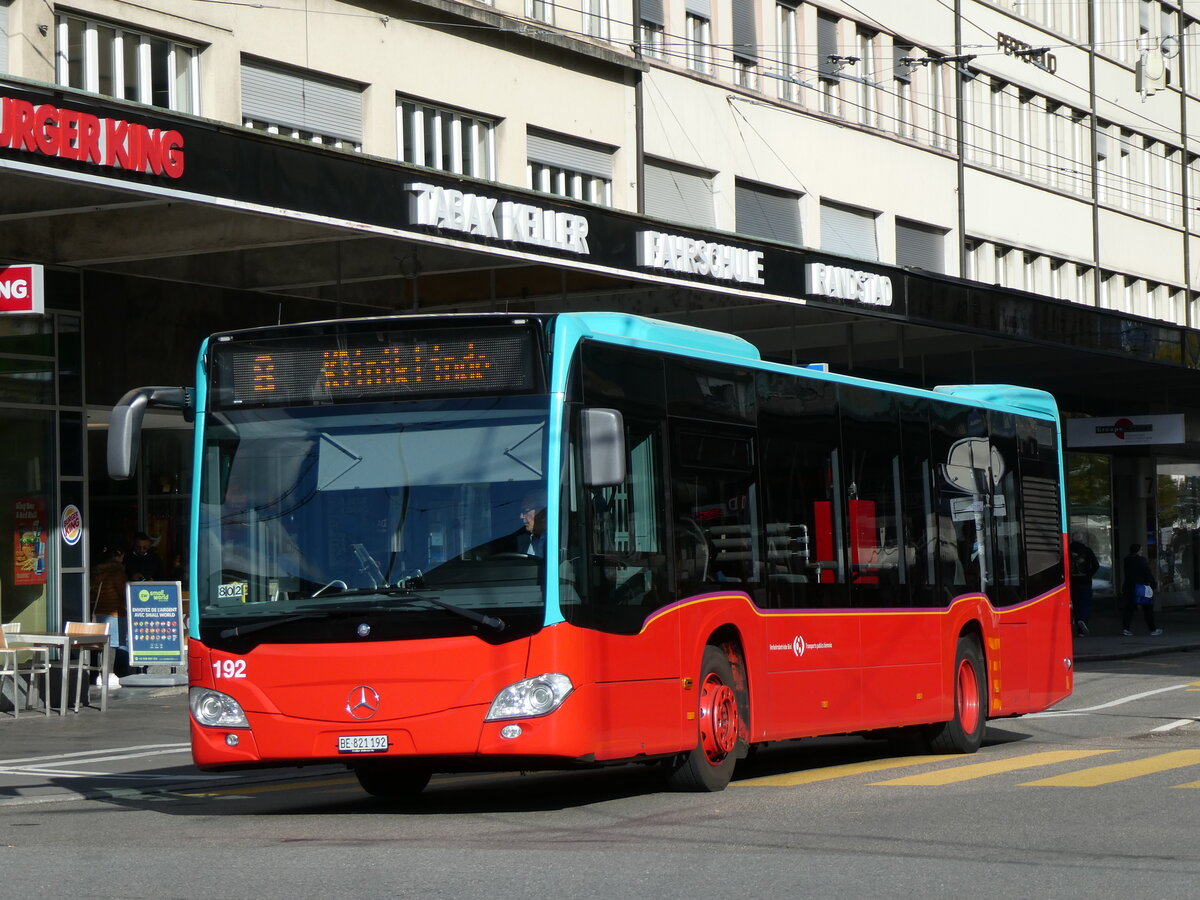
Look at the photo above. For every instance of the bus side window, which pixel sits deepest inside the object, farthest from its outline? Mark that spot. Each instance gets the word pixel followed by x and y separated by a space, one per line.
pixel 798 435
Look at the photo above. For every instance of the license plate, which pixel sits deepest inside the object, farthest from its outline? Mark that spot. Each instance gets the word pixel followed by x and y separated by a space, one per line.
pixel 363 743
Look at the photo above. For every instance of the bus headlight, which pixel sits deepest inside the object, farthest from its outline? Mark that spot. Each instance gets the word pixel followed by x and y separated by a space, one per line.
pixel 217 710
pixel 532 697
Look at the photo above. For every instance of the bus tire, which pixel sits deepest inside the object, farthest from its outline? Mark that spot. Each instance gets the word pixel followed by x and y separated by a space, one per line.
pixel 709 765
pixel 389 781
pixel 964 733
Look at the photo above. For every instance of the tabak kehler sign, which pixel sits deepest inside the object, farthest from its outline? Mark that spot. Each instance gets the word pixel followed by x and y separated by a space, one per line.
pixel 21 290
pixel 61 132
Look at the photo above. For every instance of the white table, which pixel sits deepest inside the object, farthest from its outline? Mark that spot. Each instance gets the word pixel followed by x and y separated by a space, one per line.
pixel 65 643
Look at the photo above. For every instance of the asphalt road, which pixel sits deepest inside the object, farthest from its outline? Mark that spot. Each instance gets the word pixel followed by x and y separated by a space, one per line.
pixel 1094 799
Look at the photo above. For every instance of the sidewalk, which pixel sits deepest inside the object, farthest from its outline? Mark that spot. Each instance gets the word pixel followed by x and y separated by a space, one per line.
pixel 1180 625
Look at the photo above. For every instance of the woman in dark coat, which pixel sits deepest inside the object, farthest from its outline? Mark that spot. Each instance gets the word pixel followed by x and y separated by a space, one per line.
pixel 1136 572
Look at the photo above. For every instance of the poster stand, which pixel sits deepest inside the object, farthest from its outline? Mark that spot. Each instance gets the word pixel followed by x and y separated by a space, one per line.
pixel 154 619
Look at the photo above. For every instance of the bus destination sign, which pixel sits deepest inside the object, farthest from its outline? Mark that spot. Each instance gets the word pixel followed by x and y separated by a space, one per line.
pixel 364 367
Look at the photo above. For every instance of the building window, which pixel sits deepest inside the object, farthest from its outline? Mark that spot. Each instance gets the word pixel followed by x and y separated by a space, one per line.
pixel 679 194
pixel 790 75
pixel 112 60
pixel 595 18
pixel 848 231
pixel 745 43
pixel 653 29
pixel 868 92
pixel 828 65
pixel 699 37
pixel 938 119
pixel 4 37
pixel 567 167
pixel 542 10
pixel 920 246
pixel 903 69
pixel 302 105
pixel 767 212
pixel 445 139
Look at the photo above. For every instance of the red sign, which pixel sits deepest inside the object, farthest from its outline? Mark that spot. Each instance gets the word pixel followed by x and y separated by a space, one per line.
pixel 50 130
pixel 21 289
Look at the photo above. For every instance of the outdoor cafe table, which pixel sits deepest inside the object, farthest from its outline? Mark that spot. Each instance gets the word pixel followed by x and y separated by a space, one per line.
pixel 65 643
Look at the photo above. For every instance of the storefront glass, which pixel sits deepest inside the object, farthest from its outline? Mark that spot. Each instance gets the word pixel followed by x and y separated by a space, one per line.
pixel 1090 511
pixel 1177 493
pixel 29 516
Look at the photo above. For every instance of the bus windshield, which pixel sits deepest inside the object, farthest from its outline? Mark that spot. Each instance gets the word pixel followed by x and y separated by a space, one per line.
pixel 419 519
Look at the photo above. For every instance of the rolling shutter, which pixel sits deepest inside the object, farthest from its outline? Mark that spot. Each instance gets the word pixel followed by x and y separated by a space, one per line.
pixel 574 156
pixel 652 11
pixel 679 195
pixel 827 46
pixel 701 8
pixel 766 213
pixel 848 231
pixel 920 246
pixel 302 101
pixel 745 38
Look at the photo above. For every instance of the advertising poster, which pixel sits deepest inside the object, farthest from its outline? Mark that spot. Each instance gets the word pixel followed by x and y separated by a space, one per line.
pixel 155 623
pixel 29 541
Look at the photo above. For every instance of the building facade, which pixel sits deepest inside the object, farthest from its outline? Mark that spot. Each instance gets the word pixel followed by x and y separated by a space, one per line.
pixel 928 191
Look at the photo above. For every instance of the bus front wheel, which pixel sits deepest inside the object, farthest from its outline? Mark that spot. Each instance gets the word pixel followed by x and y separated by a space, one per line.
pixel 390 781
pixel 709 765
pixel 964 733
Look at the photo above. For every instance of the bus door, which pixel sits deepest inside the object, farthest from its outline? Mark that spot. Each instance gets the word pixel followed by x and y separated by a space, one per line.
pixel 613 578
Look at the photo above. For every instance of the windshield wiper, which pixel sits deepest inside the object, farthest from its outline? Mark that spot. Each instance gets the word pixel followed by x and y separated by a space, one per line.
pixel 406 595
pixel 264 624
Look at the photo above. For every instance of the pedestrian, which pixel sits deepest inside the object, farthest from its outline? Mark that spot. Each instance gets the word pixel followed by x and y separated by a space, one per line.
pixel 1083 566
pixel 142 562
pixel 108 605
pixel 1137 589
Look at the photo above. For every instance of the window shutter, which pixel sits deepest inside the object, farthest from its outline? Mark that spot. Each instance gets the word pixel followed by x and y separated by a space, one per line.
pixel 827 46
pixel 302 101
pixel 589 159
pixel 701 8
pixel 766 213
pixel 848 231
pixel 745 39
pixel 679 195
pixel 652 11
pixel 920 246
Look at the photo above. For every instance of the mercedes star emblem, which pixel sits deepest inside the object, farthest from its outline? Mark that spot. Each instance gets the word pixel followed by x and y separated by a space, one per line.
pixel 363 702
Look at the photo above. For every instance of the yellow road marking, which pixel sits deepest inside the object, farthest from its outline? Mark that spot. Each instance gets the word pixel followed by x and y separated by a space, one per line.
pixel 1098 775
pixel 811 776
pixel 955 774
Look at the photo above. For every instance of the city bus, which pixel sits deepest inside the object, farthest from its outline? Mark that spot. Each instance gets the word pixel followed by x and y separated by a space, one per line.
pixel 447 543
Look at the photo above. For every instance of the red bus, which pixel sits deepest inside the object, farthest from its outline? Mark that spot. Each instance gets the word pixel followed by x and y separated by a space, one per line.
pixel 446 543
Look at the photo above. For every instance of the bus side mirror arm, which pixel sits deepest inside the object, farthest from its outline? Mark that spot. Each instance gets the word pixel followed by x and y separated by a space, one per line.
pixel 125 426
pixel 603 432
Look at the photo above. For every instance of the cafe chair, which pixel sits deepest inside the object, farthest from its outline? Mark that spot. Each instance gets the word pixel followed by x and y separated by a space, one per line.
pixel 37 663
pixel 83 666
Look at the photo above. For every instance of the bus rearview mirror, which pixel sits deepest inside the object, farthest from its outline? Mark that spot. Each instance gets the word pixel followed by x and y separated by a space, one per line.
pixel 125 425
pixel 603 447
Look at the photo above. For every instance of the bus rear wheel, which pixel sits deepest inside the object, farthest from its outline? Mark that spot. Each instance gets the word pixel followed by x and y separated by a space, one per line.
pixel 709 765
pixel 964 733
pixel 391 781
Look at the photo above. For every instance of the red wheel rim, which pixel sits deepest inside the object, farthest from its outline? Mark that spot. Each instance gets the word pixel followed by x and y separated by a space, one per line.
pixel 718 719
pixel 968 697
